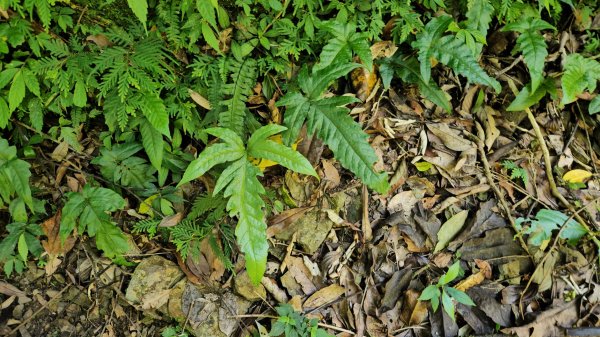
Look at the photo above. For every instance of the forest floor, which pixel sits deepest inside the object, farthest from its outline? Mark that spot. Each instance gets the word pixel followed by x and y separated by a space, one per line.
pixel 359 261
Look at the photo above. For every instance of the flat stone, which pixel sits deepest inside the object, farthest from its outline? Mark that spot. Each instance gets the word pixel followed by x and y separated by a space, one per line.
pixel 244 287
pixel 152 275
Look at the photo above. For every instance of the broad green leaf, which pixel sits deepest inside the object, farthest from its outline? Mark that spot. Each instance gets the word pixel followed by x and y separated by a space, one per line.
pixel 435 302
pixel 451 274
pixel 6 76
pixel 111 240
pixel 210 37
pixel 156 113
pixel 479 16
pixel 31 81
pixel 455 54
pixel 16 93
pixel 593 108
pixel 80 94
pixel 427 40
pixel 321 79
pixel 18 172
pixel 430 292
pixel 283 155
pixel 211 156
pixel 525 98
pixel 263 133
pixel 207 12
pixel 140 9
pixel 580 74
pixel 346 40
pixel 449 229
pixel 5 113
pixel 22 247
pixel 70 213
pixel 448 305
pixel 153 143
pixel 245 202
pixel 546 221
pixel 228 136
pixel 459 296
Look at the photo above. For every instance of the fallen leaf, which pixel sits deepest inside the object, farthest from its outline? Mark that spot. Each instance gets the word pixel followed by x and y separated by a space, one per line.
pixel 451 138
pixel 171 220
pixel 450 228
pixel 60 152
pixel 199 99
pixel 324 296
pixel 477 278
pixel 331 173
pixel 549 322
pixel 53 244
pixel 100 40
pixel 576 176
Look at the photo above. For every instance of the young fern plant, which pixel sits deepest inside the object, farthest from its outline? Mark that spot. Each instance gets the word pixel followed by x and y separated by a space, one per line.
pixel 239 181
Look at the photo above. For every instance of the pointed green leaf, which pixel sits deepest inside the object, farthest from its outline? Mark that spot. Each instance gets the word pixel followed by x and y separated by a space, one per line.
pixel 31 81
pixel 111 240
pixel 448 305
pixel 282 155
pixel 459 296
pixel 140 9
pixel 228 136
pixel 210 37
pixel 320 79
pixel 263 133
pixel 153 143
pixel 155 111
pixel 5 113
pixel 70 213
pixel 16 93
pixel 211 156
pixel 451 274
pixel 525 98
pixel 18 172
pixel 430 292
pixel 593 108
pixel 22 247
pixel 533 46
pixel 346 40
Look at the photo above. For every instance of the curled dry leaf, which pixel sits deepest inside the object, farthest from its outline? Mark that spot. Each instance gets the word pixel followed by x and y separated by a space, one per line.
pixel 485 271
pixel 450 138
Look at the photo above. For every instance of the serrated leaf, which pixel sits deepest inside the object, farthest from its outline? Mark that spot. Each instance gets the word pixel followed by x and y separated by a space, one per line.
pixel 243 78
pixel 153 143
pixel 533 46
pixel 457 55
pixel 16 94
pixel 206 10
pixel 580 74
pixel 211 156
pixel 450 228
pixel 111 240
pixel 80 94
pixel 18 172
pixel 156 113
pixel 346 40
pixel 140 9
pixel 426 40
pixel 282 155
pixel 245 202
pixel 594 106
pixel 31 81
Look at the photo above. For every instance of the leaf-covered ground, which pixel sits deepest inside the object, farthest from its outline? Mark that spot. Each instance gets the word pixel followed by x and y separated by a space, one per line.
pixel 501 206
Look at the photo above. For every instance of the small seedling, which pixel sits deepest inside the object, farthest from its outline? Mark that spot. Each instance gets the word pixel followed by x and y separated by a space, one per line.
pixel 447 294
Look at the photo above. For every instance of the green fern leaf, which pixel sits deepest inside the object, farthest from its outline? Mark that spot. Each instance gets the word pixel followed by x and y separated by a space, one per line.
pixel 457 55
pixel 533 46
pixel 155 111
pixel 580 74
pixel 407 69
pixel 261 147
pixel 427 39
pixel 346 40
pixel 479 16
pixel 140 9
pixel 243 78
pixel 153 144
pixel 244 192
pixel 213 155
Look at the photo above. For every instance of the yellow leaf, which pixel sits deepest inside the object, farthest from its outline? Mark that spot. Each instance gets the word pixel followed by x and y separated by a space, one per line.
pixel 145 206
pixel 576 176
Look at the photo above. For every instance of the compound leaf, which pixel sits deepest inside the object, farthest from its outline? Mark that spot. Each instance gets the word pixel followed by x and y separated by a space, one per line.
pixel 580 74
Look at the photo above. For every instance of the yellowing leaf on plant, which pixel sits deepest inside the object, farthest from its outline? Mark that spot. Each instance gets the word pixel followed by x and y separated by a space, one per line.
pixel 263 164
pixel 146 206
pixel 576 176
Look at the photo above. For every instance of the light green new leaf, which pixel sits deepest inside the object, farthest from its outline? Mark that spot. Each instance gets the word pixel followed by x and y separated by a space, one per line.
pixel 451 274
pixel 155 111
pixel 245 202
pixel 580 74
pixel 448 305
pixel 211 156
pixel 111 240
pixel 228 136
pixel 140 9
pixel 430 292
pixel 16 94
pixel 546 221
pixel 449 229
pixel 153 143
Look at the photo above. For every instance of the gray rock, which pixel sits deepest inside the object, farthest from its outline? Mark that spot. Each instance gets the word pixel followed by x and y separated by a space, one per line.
pixel 244 287
pixel 152 275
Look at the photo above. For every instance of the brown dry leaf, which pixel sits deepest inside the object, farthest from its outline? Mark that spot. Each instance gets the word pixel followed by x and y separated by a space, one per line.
pixel 53 245
pixel 403 201
pixel 331 173
pixel 414 311
pixel 60 152
pixel 477 278
pixel 10 290
pixel 279 222
pixel 296 303
pixel 100 40
pixel 324 296
pixel 450 138
pixel 491 132
pixel 543 272
pixel 171 220
pixel 301 274
pixel 363 82
pixel 383 49
pixel 271 286
pixel 549 322
pixel 199 99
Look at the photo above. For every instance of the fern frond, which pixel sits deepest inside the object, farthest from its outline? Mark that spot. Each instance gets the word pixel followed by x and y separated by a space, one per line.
pixel 243 77
pixel 580 74
pixel 426 41
pixel 479 17
pixel 204 204
pixel 346 41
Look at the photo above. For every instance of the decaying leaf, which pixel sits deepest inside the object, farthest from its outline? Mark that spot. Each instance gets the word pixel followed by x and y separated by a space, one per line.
pixel 450 228
pixel 451 138
pixel 324 296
